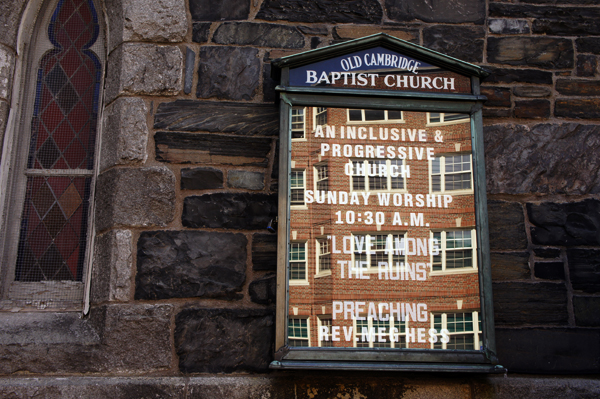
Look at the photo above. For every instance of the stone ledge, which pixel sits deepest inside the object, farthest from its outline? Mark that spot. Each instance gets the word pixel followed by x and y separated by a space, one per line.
pixel 343 384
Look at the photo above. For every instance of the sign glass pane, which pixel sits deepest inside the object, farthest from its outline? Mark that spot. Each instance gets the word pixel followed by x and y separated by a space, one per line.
pixel 383 240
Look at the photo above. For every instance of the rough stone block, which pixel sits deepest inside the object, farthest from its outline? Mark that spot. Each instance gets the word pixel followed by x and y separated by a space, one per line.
pixel 566 27
pixel 144 20
pixel 462 42
pixel 138 337
pixel 588 45
pixel 507 225
pixel 226 10
pixel 532 109
pixel 10 19
pixel 550 270
pixel 145 69
pixel 275 171
pixel 135 197
pixel 505 75
pixel 264 290
pixel 508 26
pixel 571 224
pixel 587 65
pixel 94 387
pixel 445 12
pixel 321 30
pixel 587 311
pixel 355 32
pixel 547 252
pixel 107 340
pixel 49 342
pixel 550 53
pixel 510 266
pixel 124 133
pixel 269 84
pixel 113 267
pixel 7 67
pixel 201 32
pixel 584 269
pixel 524 303
pixel 539 159
pixel 224 340
pixel 228 73
pixel 230 211
pixel 578 87
pixel 201 178
pixel 580 109
pixel 491 113
pixel 259 35
pixel 496 96
pixel 351 11
pixel 532 91
pixel 264 252
pixel 212 148
pixel 550 19
pixel 4 110
pixel 246 179
pixel 549 350
pixel 237 118
pixel 185 264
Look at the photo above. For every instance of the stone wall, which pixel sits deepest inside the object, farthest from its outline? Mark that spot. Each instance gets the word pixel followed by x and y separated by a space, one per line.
pixel 184 270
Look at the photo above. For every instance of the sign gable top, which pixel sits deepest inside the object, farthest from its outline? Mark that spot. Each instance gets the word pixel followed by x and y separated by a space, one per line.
pixel 381 40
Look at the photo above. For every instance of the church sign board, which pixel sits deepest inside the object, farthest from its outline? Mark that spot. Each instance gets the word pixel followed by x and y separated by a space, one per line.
pixel 383 254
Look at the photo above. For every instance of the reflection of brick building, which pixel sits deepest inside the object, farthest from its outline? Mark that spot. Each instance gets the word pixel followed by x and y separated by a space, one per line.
pixel 446 283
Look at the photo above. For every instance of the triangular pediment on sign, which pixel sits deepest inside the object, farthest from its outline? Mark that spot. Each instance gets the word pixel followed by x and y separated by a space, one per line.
pixel 427 58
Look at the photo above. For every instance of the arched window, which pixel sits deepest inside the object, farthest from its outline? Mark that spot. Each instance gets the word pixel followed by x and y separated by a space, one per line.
pixel 47 227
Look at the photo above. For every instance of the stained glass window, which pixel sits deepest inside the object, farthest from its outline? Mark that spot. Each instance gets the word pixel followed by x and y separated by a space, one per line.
pixel 62 132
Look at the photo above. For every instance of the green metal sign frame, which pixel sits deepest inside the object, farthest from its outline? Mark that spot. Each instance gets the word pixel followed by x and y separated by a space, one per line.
pixel 478 361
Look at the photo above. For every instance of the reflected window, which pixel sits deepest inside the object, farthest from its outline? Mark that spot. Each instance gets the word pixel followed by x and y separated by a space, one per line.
pixel 456 250
pixel 298 332
pixel 323 255
pixel 377 175
pixel 458 330
pixel 372 249
pixel 451 173
pixel 298 122
pixel 320 116
pixel 325 332
pixel 298 261
pixel 297 187
pixel 374 115
pixel 390 333
pixel 446 118
pixel 322 177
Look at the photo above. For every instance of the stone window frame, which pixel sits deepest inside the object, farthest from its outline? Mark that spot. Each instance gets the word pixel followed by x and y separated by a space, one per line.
pixel 363 120
pixel 300 338
pixel 443 251
pixel 391 321
pixel 443 174
pixel 390 235
pixel 34 24
pixel 475 332
pixel 443 122
pixel 388 178
pixel 299 281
